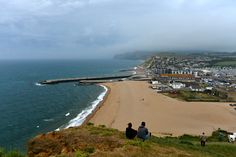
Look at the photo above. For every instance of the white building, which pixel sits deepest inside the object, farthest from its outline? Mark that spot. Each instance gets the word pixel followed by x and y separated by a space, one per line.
pixel 155 82
pixel 185 71
pixel 197 89
pixel 177 85
pixel 209 88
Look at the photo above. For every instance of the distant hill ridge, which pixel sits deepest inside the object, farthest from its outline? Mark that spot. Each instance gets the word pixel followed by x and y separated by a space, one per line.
pixel 142 55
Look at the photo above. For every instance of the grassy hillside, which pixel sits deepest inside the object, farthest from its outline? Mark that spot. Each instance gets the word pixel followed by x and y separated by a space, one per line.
pixel 101 141
pixel 225 62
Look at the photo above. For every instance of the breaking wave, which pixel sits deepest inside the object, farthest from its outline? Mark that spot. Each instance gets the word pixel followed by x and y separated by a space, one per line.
pixel 81 117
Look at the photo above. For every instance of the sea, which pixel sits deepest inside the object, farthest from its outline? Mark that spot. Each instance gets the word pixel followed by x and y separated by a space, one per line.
pixel 28 108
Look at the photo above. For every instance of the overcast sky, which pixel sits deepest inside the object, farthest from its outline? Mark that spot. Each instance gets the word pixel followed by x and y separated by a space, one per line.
pixel 102 28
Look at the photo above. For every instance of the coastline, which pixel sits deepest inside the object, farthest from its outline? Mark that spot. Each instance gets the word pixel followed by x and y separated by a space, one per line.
pixel 133 101
pixel 99 105
pixel 46 108
pixel 82 118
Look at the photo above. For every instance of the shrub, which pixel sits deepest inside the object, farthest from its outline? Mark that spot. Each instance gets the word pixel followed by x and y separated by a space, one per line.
pixel 102 126
pixel 219 135
pixel 90 124
pixel 89 150
pixel 81 154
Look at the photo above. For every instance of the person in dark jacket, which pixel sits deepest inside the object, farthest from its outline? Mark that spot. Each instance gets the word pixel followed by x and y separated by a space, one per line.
pixel 130 132
pixel 143 132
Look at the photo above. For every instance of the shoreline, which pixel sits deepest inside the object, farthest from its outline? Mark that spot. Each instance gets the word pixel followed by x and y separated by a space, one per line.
pixel 132 101
pixel 101 103
pixel 92 109
pixel 98 106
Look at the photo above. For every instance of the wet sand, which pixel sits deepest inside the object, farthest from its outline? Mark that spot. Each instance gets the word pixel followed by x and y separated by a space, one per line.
pixel 134 101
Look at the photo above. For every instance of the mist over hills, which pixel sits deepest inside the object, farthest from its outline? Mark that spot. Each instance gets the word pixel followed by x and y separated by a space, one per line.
pixel 142 55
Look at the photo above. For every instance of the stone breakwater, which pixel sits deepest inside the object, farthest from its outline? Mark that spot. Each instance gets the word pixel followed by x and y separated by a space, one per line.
pixel 64 80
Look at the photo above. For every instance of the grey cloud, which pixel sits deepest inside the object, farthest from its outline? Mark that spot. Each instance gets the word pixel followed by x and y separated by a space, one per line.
pixel 102 28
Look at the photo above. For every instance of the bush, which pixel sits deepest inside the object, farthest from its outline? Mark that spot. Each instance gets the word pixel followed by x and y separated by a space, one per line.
pixel 219 136
pixel 90 124
pixel 102 126
pixel 81 154
pixel 89 150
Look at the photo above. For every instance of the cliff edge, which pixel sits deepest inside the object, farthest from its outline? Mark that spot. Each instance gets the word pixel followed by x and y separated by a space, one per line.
pixel 100 141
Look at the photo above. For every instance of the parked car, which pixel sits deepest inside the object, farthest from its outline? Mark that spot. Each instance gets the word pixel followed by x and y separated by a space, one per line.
pixel 232 137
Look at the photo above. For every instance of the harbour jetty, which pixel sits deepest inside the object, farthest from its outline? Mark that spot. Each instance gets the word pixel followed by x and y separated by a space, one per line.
pixel 92 79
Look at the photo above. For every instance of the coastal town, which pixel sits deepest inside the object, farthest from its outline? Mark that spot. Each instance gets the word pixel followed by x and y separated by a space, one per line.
pixel 198 77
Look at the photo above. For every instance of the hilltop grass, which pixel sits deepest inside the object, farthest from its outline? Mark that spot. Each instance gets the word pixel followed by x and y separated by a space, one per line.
pixel 191 145
pixel 100 141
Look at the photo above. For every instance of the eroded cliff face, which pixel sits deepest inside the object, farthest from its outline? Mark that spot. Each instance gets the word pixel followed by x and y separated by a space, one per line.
pixel 87 139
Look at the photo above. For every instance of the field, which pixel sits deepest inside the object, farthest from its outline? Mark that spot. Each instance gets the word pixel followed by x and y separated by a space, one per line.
pixel 194 96
pixel 225 62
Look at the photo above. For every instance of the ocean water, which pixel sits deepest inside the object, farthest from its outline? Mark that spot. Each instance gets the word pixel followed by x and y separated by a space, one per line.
pixel 27 108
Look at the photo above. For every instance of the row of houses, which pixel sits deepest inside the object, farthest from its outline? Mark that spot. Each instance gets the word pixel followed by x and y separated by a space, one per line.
pixel 172 71
pixel 157 85
pixel 164 70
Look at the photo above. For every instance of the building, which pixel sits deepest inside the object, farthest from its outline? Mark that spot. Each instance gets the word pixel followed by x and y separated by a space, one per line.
pixel 178 76
pixel 196 88
pixel 177 85
pixel 163 71
pixel 155 82
pixel 187 71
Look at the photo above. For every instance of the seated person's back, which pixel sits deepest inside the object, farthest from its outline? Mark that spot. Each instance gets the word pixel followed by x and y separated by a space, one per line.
pixel 130 132
pixel 142 132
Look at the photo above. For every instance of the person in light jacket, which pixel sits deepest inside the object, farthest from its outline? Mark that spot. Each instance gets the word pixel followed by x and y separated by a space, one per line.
pixel 143 132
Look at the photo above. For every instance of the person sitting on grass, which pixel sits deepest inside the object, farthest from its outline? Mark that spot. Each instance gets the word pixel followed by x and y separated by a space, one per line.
pixel 143 132
pixel 130 132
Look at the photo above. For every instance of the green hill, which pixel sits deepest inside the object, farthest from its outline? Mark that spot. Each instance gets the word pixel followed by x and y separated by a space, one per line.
pixel 101 141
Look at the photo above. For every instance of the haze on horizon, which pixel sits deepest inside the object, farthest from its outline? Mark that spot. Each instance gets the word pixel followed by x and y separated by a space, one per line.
pixel 47 29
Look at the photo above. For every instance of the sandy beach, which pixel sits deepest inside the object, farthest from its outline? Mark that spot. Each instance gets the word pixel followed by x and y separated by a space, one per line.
pixel 134 101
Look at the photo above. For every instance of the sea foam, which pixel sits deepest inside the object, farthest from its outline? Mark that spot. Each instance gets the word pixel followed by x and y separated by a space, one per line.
pixel 48 120
pixel 39 84
pixel 81 117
